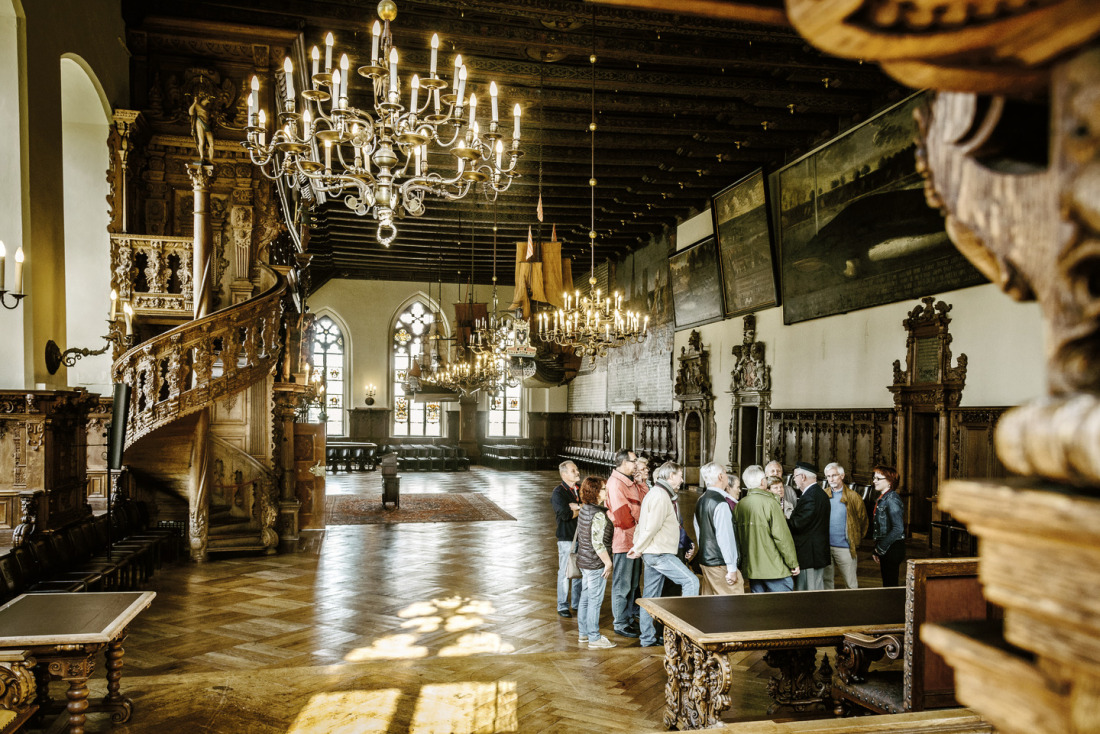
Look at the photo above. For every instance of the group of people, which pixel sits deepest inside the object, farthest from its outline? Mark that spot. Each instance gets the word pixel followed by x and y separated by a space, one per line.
pixel 778 537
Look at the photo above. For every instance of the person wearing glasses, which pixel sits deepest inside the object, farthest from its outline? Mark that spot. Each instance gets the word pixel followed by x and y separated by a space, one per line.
pixel 889 524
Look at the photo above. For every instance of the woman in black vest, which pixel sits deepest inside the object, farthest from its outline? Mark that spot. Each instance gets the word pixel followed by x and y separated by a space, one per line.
pixel 594 531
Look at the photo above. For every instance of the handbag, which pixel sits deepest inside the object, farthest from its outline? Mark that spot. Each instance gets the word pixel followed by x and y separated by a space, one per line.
pixel 572 570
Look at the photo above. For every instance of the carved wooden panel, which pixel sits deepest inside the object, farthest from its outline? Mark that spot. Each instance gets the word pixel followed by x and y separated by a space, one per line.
pixel 590 430
pixel 971 450
pixel 856 439
pixel 655 434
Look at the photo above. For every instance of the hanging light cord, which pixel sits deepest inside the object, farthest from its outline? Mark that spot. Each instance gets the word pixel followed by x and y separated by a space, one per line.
pixel 592 131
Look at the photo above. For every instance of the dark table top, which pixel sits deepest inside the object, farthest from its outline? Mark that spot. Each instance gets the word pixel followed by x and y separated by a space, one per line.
pixel 68 619
pixel 747 618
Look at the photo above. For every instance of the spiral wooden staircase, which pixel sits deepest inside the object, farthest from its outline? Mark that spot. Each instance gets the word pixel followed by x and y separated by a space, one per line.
pixel 176 379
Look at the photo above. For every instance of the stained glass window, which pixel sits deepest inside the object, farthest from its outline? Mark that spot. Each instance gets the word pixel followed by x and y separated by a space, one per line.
pixel 410 333
pixel 505 412
pixel 328 361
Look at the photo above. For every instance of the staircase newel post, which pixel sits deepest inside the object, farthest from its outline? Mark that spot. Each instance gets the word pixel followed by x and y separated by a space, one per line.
pixel 200 174
pixel 199 491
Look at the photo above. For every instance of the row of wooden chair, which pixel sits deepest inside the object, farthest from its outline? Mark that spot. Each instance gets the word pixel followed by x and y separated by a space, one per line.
pixel 77 557
pixel 588 459
pixel 514 456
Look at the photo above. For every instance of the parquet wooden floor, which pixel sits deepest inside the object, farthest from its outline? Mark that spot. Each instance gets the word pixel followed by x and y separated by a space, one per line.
pixel 433 627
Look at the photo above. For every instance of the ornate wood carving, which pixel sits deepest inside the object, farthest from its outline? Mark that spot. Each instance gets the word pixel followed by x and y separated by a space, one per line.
pixel 184 370
pixel 693 392
pixel 750 389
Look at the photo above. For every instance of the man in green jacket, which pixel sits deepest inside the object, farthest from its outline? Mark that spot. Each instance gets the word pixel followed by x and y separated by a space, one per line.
pixel 768 558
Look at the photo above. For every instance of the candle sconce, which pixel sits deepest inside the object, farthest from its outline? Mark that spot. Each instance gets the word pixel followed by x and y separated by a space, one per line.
pixel 371 392
pixel 115 338
pixel 17 291
pixel 4 298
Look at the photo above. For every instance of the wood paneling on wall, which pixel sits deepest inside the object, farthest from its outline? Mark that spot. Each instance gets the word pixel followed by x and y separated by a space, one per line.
pixel 590 430
pixel 856 439
pixel 655 434
pixel 971 453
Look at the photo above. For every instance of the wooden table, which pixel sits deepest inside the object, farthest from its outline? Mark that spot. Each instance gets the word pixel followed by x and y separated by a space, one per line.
pixel 701 630
pixel 65 632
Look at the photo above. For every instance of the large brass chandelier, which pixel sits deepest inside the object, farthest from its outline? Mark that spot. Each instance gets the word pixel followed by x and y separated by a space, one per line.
pixel 593 323
pixel 378 158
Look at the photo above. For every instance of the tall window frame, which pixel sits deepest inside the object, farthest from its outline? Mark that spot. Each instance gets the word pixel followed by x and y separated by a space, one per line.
pixel 408 340
pixel 330 361
pixel 506 413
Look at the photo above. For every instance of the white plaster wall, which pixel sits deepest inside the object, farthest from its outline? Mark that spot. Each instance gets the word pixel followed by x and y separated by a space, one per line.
pixel 11 189
pixel 846 361
pixel 87 244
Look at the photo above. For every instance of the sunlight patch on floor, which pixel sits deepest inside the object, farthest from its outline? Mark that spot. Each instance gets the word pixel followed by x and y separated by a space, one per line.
pixel 466 708
pixel 476 643
pixel 347 712
pixel 390 647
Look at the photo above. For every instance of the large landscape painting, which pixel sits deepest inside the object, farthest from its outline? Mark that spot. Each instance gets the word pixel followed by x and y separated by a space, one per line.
pixel 854 228
pixel 745 245
pixel 696 286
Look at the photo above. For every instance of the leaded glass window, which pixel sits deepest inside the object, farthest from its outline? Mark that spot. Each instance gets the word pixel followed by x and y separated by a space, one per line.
pixel 505 412
pixel 328 361
pixel 410 337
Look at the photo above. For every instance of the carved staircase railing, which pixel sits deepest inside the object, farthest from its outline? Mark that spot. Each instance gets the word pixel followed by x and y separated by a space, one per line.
pixel 243 498
pixel 153 273
pixel 189 367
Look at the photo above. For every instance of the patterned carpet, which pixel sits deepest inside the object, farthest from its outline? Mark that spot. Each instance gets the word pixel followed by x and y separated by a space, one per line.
pixel 464 507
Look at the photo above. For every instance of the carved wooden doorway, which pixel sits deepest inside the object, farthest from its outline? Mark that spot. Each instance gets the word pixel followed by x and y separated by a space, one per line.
pixel 693 392
pixel 750 390
pixel 924 394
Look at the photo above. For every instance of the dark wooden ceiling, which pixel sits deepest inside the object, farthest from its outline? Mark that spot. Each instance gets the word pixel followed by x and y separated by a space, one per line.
pixel 684 105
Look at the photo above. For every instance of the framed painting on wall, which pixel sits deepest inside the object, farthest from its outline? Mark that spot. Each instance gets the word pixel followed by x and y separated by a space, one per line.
pixel 853 227
pixel 743 229
pixel 696 287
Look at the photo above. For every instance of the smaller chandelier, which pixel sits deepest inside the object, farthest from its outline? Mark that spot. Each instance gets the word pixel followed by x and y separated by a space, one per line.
pixel 467 376
pixel 592 324
pixel 378 158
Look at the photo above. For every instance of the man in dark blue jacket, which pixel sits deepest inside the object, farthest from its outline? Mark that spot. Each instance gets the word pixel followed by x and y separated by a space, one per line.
pixel 810 528
pixel 566 503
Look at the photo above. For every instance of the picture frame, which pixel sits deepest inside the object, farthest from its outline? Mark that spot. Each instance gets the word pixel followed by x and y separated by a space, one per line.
pixel 854 230
pixel 742 227
pixel 696 285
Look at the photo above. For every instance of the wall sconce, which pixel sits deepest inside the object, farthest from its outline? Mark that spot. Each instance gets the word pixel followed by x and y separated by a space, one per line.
pixel 17 289
pixel 117 336
pixel 371 392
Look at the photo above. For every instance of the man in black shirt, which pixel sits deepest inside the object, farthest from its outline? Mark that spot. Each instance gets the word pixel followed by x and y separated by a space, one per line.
pixel 566 503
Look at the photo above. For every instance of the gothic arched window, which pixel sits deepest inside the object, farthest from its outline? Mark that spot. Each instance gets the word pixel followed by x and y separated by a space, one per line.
pixel 410 338
pixel 328 361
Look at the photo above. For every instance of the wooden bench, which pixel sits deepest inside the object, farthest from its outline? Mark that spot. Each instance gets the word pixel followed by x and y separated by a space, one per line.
pixel 937 590
pixel 701 631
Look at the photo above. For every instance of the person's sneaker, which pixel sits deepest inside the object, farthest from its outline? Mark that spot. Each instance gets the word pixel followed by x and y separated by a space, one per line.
pixel 601 644
pixel 582 639
pixel 627 632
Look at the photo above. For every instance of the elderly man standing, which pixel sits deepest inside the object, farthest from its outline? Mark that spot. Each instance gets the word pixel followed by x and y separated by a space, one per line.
pixel 624 502
pixel 657 540
pixel 847 525
pixel 566 503
pixel 714 532
pixel 768 557
pixel 810 527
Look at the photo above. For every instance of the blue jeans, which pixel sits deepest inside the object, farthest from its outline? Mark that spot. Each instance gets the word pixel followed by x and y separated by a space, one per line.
pixel 760 586
pixel 565 584
pixel 625 575
pixel 658 567
pixel 588 613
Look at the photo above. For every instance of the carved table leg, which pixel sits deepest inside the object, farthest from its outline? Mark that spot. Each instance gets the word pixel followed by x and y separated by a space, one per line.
pixel 78 704
pixel 795 683
pixel 120 707
pixel 42 684
pixel 679 665
pixel 710 687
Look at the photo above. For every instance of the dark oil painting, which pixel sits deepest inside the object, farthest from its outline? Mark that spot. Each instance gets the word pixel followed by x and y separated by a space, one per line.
pixel 696 285
pixel 854 228
pixel 745 245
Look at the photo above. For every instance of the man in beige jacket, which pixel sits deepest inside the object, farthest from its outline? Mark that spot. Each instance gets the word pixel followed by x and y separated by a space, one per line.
pixel 847 526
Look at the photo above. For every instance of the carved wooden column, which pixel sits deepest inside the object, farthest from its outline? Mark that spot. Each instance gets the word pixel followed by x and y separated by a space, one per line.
pixel 198 495
pixel 287 398
pixel 202 272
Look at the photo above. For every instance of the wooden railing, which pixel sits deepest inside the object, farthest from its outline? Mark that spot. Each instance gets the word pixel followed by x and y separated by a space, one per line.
pixel 187 368
pixel 153 272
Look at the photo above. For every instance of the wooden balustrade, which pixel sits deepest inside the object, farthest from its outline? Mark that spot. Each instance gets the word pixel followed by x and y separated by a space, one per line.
pixel 153 273
pixel 187 368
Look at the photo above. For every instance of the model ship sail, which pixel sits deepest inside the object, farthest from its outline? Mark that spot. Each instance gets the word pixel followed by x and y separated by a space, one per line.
pixel 542 274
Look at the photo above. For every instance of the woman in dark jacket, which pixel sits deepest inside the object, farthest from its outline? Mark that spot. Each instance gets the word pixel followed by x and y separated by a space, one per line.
pixel 889 524
pixel 594 531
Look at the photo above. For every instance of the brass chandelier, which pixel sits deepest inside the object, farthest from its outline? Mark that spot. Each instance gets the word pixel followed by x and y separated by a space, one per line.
pixel 593 323
pixel 378 158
